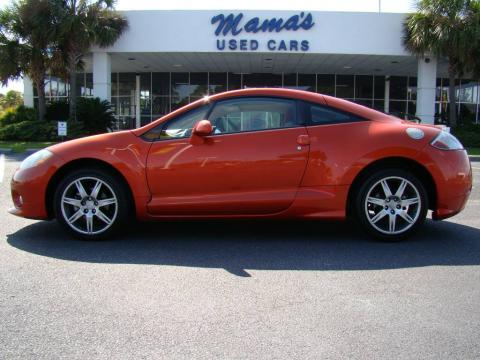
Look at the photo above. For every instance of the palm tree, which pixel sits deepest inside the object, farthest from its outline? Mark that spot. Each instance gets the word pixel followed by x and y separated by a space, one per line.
pixel 473 28
pixel 441 28
pixel 25 34
pixel 82 24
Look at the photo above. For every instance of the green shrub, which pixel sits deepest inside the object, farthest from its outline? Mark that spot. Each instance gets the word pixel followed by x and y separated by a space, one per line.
pixel 29 131
pixel 95 114
pixel 16 115
pixel 75 129
pixel 468 134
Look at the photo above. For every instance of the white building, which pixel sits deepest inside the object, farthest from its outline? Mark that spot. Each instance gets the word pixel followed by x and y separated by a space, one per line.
pixel 169 58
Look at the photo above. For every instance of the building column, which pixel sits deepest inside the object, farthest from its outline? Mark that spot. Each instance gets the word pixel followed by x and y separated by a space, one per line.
pixel 28 92
pixel 137 102
pixel 102 76
pixel 426 89
pixel 386 95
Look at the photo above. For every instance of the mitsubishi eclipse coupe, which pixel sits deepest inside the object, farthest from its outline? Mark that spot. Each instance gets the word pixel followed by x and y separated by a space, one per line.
pixel 254 153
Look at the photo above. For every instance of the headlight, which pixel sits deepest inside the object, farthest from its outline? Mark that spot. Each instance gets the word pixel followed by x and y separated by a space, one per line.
pixel 446 141
pixel 35 159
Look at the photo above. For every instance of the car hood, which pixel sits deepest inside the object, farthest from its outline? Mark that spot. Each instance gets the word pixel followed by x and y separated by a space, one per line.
pixel 96 143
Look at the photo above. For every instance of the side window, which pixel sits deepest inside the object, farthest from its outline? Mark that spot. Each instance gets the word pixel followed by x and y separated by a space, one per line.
pixel 323 115
pixel 253 114
pixel 179 127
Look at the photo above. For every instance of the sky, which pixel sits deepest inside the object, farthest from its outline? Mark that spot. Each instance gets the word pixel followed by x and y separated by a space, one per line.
pixel 397 6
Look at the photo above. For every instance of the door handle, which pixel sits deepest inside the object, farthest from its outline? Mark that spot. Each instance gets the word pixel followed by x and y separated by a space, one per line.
pixel 303 140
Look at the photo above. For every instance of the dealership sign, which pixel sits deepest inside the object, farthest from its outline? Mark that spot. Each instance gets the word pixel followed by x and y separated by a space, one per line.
pixel 238 32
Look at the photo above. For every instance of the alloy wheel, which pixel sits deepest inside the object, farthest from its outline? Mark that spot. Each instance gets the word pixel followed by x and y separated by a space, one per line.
pixel 89 205
pixel 393 205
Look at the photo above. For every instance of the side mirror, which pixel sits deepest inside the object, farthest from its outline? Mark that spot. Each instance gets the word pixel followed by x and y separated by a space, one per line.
pixel 202 128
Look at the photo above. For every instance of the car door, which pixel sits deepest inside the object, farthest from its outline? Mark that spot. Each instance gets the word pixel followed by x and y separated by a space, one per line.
pixel 252 163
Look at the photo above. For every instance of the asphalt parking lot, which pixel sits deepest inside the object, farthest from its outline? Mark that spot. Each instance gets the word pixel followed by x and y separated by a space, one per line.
pixel 239 290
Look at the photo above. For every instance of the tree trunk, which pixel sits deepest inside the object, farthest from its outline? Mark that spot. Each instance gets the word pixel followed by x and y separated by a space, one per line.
pixel 40 85
pixel 451 95
pixel 73 90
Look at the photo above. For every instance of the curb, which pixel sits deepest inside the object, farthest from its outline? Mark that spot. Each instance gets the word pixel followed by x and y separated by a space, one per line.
pixel 5 151
pixel 474 158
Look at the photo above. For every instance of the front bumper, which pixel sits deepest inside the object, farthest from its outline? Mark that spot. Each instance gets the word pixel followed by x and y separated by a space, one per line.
pixel 29 190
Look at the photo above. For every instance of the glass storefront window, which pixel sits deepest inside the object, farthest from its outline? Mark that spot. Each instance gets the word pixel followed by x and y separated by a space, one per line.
pixel 144 120
pixel 88 91
pixel 379 105
pixel 126 106
pixel 62 88
pixel 398 87
pixel 444 91
pixel 364 102
pixel 145 95
pixel 145 104
pixel 412 107
pixel 47 87
pixel 53 86
pixel 326 84
pixel 438 93
pixel 161 93
pixel 80 86
pixel 397 108
pixel 364 87
pixel 178 101
pixel 307 82
pixel 379 87
pixel 217 83
pixel 126 84
pixel 180 89
pixel 161 84
pixel 145 83
pixel 160 106
pixel 468 91
pixel 412 89
pixel 195 98
pixel 114 82
pixel 344 87
pixel 262 80
pixel 290 81
pixel 234 81
pixel 198 84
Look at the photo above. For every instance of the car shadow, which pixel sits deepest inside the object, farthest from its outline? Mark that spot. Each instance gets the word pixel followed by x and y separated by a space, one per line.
pixel 237 246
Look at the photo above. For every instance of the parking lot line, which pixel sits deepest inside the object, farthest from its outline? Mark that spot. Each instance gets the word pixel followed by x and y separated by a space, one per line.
pixel 2 167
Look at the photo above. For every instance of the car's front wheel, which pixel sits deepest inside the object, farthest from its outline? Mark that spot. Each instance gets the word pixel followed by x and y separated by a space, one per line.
pixel 391 204
pixel 91 203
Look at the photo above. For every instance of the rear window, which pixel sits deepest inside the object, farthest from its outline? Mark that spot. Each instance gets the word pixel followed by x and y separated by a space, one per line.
pixel 319 115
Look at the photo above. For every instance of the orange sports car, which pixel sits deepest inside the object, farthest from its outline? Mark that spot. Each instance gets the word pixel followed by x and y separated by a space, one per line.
pixel 254 153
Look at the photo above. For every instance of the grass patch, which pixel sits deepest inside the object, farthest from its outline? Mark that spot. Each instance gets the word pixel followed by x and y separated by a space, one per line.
pixel 473 151
pixel 21 146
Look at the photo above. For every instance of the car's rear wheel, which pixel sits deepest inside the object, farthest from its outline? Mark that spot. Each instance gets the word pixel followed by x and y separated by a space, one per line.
pixel 391 204
pixel 91 204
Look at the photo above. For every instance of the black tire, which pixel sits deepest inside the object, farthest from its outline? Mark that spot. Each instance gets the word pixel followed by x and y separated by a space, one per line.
pixel 90 207
pixel 382 213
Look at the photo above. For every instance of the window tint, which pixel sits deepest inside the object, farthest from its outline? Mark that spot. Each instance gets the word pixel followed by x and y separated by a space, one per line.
pixel 179 127
pixel 253 114
pixel 324 115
